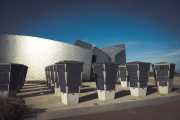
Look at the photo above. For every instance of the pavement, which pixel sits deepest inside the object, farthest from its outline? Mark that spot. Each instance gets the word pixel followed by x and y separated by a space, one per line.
pixel 42 104
pixel 165 111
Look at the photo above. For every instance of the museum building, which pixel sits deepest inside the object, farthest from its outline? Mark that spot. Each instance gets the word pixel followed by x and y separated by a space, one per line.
pixel 37 53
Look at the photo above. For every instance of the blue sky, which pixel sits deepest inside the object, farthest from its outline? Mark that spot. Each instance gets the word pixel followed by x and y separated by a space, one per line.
pixel 150 29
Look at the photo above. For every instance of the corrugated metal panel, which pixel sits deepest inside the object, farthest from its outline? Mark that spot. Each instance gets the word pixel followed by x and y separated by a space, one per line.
pixel 112 51
pixel 83 44
pixel 36 53
pixel 101 56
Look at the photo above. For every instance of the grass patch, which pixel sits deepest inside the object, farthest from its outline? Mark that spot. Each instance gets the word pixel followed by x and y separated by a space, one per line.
pixel 11 108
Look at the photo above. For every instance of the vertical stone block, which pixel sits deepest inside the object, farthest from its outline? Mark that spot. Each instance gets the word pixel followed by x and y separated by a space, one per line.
pixel 123 76
pixel 106 77
pixel 69 75
pixel 12 78
pixel 56 82
pixel 138 76
pixel 163 75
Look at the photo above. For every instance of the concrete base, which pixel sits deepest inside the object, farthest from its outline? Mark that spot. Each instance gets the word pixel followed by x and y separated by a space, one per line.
pixel 52 86
pixel 138 91
pixel 7 94
pixel 119 80
pixel 70 98
pixel 165 89
pixel 12 93
pixel 49 84
pixel 4 94
pixel 124 84
pixel 106 95
pixel 57 91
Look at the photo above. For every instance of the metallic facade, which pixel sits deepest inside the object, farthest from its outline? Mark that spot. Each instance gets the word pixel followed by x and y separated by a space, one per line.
pixel 101 56
pixel 117 53
pixel 37 53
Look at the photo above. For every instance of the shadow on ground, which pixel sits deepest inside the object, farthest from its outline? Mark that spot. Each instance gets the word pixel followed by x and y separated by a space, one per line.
pixel 175 89
pixel 83 86
pixel 30 113
pixel 87 90
pixel 30 87
pixel 151 89
pixel 36 94
pixel 122 93
pixel 88 97
pixel 36 89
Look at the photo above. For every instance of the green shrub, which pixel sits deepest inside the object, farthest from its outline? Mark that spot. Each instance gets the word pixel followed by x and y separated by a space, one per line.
pixel 151 74
pixel 175 72
pixel 11 108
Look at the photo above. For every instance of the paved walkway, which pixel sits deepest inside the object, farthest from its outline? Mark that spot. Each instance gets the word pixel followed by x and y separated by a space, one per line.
pixel 42 104
pixel 166 111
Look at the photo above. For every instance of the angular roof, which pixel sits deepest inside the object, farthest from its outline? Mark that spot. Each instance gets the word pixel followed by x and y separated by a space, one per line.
pixel 9 63
pixel 105 63
pixel 163 63
pixel 69 62
pixel 83 44
pixel 138 62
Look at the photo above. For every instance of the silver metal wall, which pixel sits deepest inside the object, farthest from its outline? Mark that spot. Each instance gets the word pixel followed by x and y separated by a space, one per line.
pixel 117 53
pixel 83 44
pixel 121 57
pixel 36 53
pixel 101 56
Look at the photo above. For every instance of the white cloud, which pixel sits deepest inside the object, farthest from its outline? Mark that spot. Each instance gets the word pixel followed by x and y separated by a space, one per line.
pixel 154 52
pixel 131 43
pixel 177 52
pixel 176 41
pixel 85 39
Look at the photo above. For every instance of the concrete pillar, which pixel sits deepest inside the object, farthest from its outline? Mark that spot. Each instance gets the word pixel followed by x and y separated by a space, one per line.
pixel 52 77
pixel 10 79
pixel 56 82
pixel 123 76
pixel 49 76
pixel 69 75
pixel 138 76
pixel 46 73
pixel 163 75
pixel 106 77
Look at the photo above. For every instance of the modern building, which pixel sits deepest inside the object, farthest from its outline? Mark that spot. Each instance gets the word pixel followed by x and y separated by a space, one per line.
pixel 117 53
pixel 37 53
